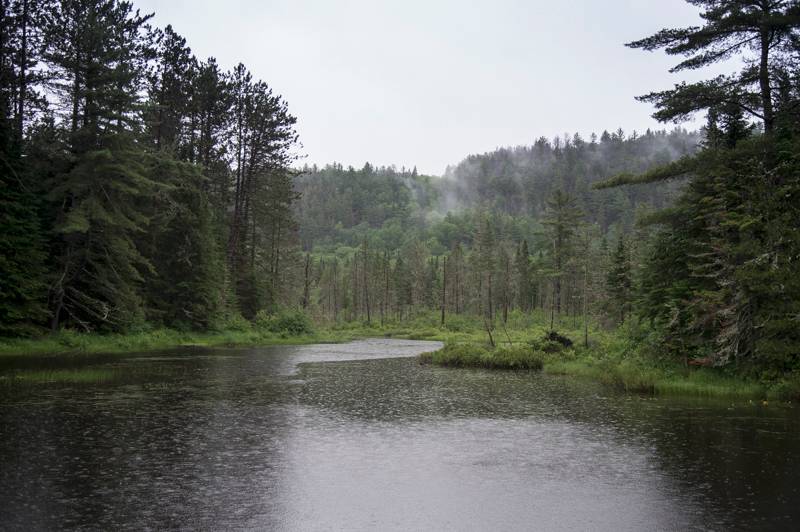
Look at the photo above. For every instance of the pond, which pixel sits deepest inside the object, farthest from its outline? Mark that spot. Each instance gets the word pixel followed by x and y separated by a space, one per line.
pixel 359 436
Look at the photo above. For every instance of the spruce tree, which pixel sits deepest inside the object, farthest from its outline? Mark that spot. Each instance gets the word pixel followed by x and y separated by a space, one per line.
pixel 619 280
pixel 561 220
pixel 767 28
pixel 97 49
pixel 524 281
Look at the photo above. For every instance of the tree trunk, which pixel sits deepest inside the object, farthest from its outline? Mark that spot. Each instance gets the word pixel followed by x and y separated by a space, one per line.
pixel 764 79
pixel 366 284
pixel 444 287
pixel 23 72
pixel 586 293
pixel 307 282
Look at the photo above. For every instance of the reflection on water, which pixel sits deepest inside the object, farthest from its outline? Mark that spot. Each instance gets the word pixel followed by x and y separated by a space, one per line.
pixel 274 438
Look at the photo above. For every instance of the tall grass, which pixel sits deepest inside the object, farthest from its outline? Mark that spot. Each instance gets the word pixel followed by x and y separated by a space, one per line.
pixel 478 356
pixel 69 342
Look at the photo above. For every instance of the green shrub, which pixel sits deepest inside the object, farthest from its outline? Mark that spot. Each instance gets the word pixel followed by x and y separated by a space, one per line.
pixel 472 355
pixel 232 322
pixel 285 321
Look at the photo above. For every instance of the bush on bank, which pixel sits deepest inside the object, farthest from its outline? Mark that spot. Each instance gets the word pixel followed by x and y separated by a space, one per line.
pixel 471 355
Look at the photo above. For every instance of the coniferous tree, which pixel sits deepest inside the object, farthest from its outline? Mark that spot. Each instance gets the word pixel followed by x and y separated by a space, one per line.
pixel 524 280
pixel 561 221
pixel 711 282
pixel 22 256
pixel 768 28
pixel 619 281
pixel 98 49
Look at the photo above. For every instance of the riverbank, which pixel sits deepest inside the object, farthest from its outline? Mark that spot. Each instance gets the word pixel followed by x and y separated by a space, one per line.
pixel 614 358
pixel 629 371
pixel 624 359
pixel 72 343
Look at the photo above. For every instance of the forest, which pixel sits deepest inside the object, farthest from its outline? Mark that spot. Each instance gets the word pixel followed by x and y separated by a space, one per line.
pixel 144 188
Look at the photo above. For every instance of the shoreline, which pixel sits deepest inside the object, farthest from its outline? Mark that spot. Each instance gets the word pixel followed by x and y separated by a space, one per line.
pixel 632 374
pixel 605 361
pixel 78 344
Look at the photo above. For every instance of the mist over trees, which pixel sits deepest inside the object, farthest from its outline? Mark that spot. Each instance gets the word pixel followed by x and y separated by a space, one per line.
pixel 519 181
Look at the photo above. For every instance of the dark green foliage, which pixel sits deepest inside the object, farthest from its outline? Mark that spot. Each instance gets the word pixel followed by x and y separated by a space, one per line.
pixel 525 285
pixel 561 220
pixel 184 287
pixel 619 281
pixel 293 322
pixel 120 205
pixel 562 340
pixel 98 265
pixel 23 283
pixel 721 279
pixel 339 204
pixel 680 168
pixel 22 257
pixel 722 276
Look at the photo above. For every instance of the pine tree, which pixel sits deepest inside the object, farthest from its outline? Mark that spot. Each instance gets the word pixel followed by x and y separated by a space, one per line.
pixel 561 220
pixel 619 280
pixel 170 92
pixel 261 218
pixel 183 289
pixel 22 256
pixel 97 50
pixel 524 278
pixel 731 27
pixel 485 251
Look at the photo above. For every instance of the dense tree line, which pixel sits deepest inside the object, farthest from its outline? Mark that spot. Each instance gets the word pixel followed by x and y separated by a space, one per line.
pixel 338 204
pixel 388 244
pixel 139 183
pixel 497 264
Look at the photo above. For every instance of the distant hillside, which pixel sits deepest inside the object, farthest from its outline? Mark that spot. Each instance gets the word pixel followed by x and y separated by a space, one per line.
pixel 340 205
pixel 335 199
pixel 518 181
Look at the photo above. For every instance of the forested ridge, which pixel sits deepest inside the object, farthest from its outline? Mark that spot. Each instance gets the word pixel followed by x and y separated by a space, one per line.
pixel 145 187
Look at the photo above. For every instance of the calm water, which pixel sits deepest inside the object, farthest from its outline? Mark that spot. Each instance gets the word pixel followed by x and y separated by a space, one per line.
pixel 360 437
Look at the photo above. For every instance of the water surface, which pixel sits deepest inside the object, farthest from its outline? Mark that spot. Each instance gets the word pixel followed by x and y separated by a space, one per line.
pixel 359 436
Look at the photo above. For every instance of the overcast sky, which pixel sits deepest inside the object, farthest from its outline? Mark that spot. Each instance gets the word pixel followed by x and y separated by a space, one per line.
pixel 428 82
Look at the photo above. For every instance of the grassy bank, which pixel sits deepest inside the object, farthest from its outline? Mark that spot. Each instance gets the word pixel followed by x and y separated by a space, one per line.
pixel 631 374
pixel 622 359
pixel 240 333
pixel 72 343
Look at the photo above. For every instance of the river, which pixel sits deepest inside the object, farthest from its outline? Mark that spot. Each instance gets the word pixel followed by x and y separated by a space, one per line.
pixel 359 436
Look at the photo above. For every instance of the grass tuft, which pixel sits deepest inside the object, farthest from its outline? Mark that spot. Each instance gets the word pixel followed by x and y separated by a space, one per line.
pixel 478 356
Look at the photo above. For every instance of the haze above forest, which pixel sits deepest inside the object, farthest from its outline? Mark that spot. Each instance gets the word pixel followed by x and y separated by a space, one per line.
pixel 427 83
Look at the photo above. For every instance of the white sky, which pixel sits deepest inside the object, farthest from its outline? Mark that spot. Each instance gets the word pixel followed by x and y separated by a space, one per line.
pixel 428 82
